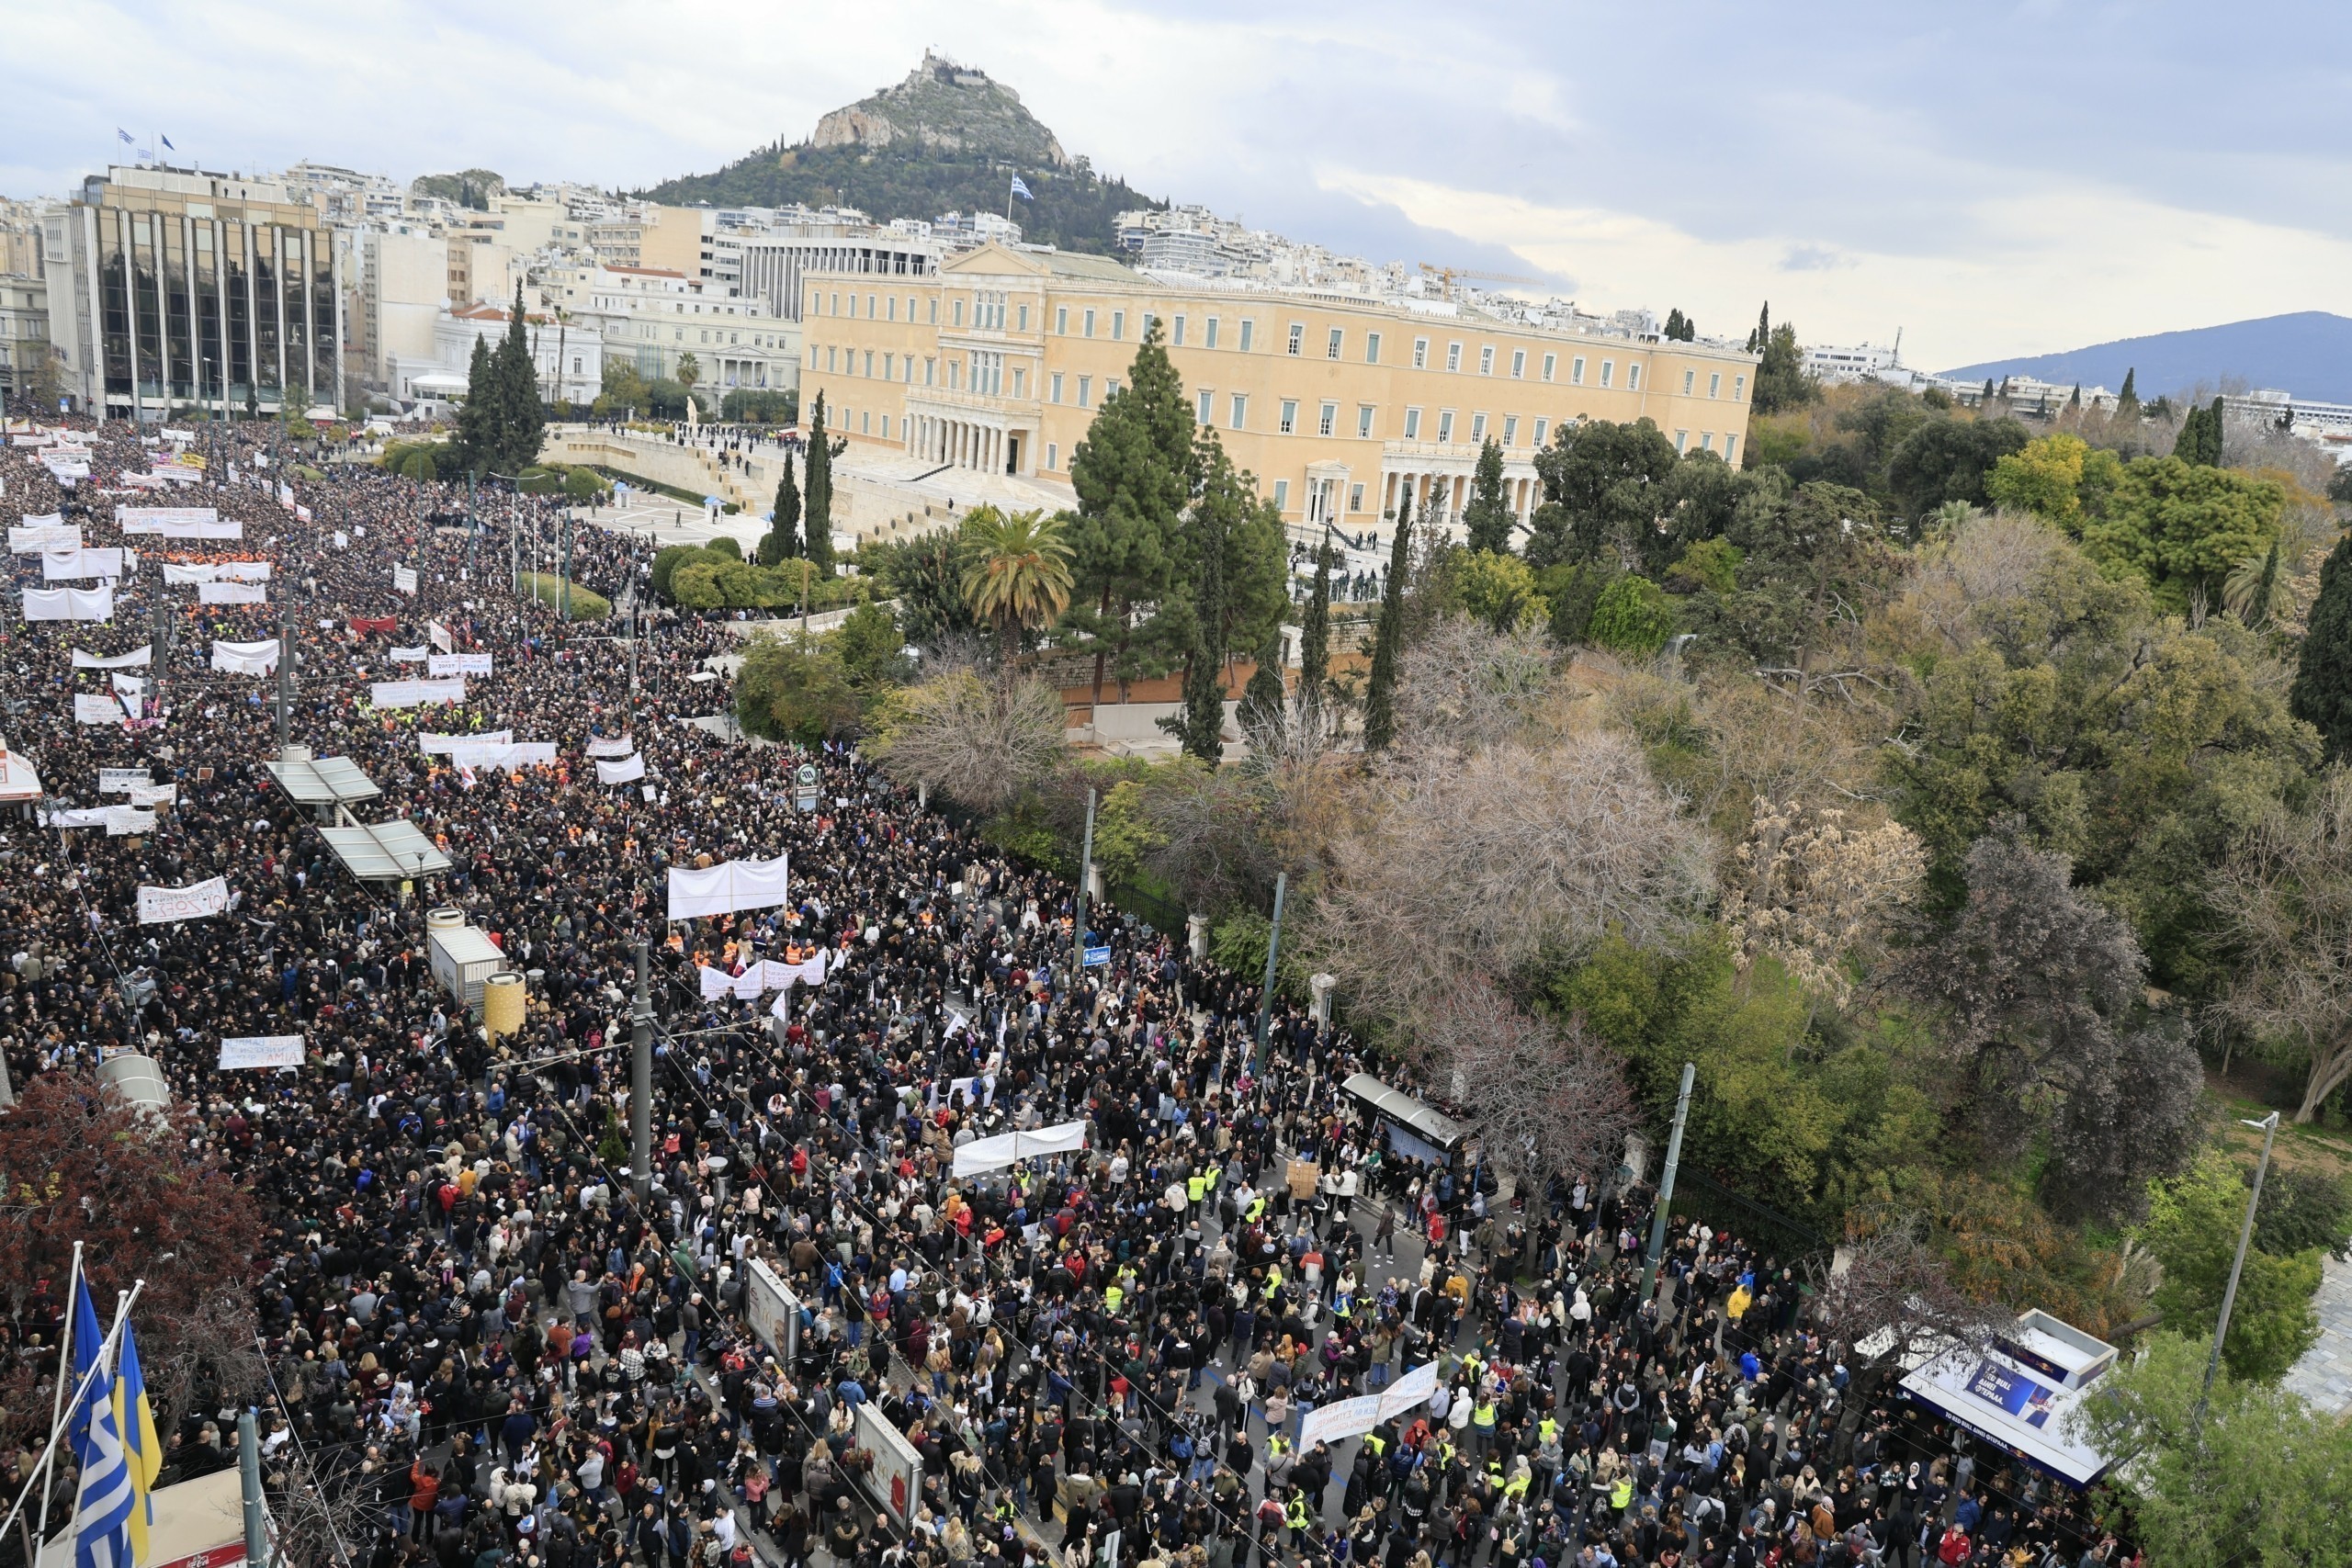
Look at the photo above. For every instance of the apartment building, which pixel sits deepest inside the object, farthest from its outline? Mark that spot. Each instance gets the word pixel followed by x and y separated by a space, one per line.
pixel 1343 406
pixel 650 317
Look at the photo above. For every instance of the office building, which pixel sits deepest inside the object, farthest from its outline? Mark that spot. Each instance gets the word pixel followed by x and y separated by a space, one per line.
pixel 1343 406
pixel 24 331
pixel 174 289
pixel 651 318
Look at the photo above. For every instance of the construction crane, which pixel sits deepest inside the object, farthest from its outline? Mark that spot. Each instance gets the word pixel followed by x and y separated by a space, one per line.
pixel 1446 274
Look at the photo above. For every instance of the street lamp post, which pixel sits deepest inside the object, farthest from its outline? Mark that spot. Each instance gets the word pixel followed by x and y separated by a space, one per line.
pixel 2269 1125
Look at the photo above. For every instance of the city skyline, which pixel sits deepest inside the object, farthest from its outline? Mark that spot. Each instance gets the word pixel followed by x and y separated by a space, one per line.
pixel 1862 173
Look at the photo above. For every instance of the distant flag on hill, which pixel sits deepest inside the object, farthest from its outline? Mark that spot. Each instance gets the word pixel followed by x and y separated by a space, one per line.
pixel 1021 190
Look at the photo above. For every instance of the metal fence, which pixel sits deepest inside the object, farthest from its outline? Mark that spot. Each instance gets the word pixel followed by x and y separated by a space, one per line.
pixel 1700 1197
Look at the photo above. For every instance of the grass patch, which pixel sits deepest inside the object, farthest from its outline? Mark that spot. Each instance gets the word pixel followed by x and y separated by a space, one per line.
pixel 548 589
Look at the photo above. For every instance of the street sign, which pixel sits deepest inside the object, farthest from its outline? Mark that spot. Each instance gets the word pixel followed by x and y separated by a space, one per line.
pixel 1097 957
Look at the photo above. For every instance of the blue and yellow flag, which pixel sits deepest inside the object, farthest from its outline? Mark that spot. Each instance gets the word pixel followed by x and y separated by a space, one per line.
pixel 134 1418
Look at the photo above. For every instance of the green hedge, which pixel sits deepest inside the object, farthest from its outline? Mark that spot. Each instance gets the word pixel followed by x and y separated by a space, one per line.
pixel 547 590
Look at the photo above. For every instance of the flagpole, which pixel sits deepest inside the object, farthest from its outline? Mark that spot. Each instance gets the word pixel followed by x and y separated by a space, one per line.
pixel 81 1392
pixel 57 1401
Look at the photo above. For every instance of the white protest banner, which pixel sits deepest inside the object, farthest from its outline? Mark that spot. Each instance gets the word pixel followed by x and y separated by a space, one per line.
pixel 38 536
pixel 1340 1418
pixel 506 755
pixel 69 566
pixel 232 593
pixel 73 817
pixel 192 902
pixel 409 694
pixel 725 888
pixel 612 746
pixel 438 635
pixel 147 519
pixel 178 576
pixel 96 708
pixel 342 540
pixel 302 514
pixel 131 660
pixel 439 665
pixel 156 794
pixel 404 580
pixel 121 781
pixel 408 655
pixel 629 770
pixel 431 744
pixel 245 658
pixel 262 1051
pixel 125 819
pixel 244 571
pixel 69 603
pixel 132 687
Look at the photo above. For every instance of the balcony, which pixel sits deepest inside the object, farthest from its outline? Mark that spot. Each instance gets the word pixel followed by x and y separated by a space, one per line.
pixel 941 399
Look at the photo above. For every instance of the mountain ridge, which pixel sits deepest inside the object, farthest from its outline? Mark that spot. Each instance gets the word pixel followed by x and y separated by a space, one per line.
pixel 947 136
pixel 2308 354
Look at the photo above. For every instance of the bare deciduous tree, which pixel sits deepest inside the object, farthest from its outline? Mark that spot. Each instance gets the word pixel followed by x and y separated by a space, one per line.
pixel 1465 686
pixel 977 743
pixel 1550 1102
pixel 1476 865
pixel 1810 891
pixel 2288 891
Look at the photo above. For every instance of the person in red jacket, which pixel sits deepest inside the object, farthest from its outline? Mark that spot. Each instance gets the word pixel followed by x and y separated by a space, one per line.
pixel 1955 1546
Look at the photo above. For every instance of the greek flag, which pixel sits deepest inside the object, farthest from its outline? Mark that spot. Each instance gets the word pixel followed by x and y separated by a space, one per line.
pixel 102 1508
pixel 124 134
pixel 1021 190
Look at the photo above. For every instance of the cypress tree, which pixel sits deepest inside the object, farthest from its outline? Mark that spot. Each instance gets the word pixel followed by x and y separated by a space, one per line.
pixel 1201 725
pixel 1315 632
pixel 1762 335
pixel 818 492
pixel 478 420
pixel 2075 399
pixel 1380 692
pixel 782 541
pixel 2127 401
pixel 522 415
pixel 1487 516
pixel 2322 695
pixel 1134 474
pixel 2213 435
pixel 1985 399
pixel 1673 333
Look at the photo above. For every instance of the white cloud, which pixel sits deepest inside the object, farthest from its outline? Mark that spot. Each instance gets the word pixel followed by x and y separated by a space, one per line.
pixel 2049 269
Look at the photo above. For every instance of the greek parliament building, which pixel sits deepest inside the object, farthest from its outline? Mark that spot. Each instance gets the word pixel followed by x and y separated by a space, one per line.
pixel 1342 406
pixel 172 289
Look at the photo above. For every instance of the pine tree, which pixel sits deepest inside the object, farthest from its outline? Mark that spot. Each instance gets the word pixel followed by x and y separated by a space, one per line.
pixel 1315 632
pixel 476 439
pixel 782 541
pixel 818 492
pixel 1133 473
pixel 2127 401
pixel 2322 695
pixel 1262 698
pixel 1487 516
pixel 1380 691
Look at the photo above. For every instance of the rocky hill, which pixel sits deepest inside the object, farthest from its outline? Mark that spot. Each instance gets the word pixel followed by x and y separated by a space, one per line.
pixel 948 138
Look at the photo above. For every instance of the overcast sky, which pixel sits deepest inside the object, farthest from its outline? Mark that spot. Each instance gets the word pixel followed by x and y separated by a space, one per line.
pixel 1993 179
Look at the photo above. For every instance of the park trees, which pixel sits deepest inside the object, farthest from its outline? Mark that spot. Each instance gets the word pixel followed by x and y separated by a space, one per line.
pixel 1486 516
pixel 980 743
pixel 2192 1229
pixel 816 492
pixel 782 540
pixel 1016 571
pixel 1604 490
pixel 2322 695
pixel 2182 526
pixel 2040 988
pixel 2287 892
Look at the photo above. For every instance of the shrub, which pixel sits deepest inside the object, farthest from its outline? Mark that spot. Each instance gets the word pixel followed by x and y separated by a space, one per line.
pixel 548 591
pixel 1632 616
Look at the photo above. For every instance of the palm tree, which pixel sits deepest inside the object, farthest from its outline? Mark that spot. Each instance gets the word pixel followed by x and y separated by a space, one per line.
pixel 1016 571
pixel 2255 588
pixel 689 372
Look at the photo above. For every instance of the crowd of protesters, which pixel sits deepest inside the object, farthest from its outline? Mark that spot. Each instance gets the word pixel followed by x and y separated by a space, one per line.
pixel 491 1349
